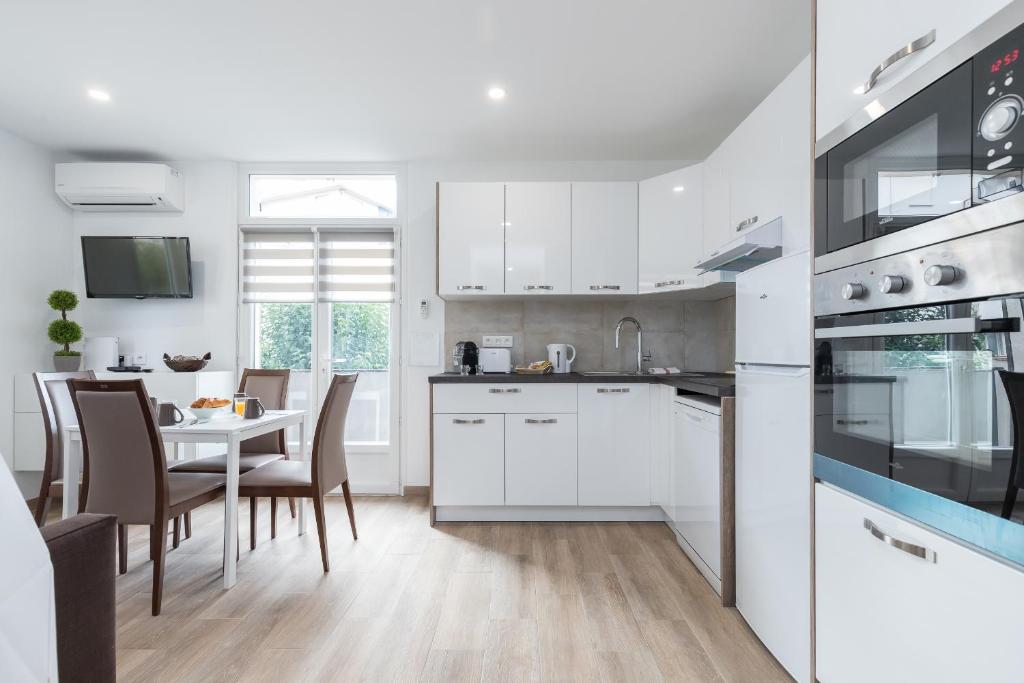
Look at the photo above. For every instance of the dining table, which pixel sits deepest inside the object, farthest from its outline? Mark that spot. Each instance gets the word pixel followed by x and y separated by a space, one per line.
pixel 230 430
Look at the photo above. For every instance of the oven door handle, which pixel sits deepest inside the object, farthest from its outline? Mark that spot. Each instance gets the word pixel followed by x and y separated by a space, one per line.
pixel 902 53
pixel 950 326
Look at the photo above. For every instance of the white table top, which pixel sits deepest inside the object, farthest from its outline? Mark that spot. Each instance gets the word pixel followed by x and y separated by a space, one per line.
pixel 221 426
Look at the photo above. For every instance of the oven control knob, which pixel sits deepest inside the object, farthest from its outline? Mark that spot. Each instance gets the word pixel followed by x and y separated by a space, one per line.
pixel 1000 117
pixel 854 290
pixel 941 275
pixel 892 284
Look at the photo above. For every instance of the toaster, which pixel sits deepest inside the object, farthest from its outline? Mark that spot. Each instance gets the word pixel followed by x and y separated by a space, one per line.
pixel 495 360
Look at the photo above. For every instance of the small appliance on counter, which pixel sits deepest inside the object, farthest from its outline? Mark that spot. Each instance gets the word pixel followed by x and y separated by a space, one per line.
pixel 495 360
pixel 466 358
pixel 558 355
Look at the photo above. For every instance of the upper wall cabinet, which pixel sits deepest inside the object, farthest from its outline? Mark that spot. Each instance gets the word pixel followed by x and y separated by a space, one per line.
pixel 538 234
pixel 853 38
pixel 604 238
pixel 671 237
pixel 471 238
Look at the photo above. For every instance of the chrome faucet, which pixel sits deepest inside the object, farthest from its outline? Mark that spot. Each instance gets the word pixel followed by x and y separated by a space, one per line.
pixel 640 356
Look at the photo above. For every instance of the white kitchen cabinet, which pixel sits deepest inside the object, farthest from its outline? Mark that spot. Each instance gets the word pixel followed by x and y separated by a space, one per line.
pixel 471 238
pixel 754 182
pixel 661 447
pixel 538 238
pixel 505 397
pixel 604 238
pixel 671 232
pixel 716 229
pixel 469 459
pixel 855 37
pixel 886 615
pixel 614 445
pixel 540 459
pixel 696 482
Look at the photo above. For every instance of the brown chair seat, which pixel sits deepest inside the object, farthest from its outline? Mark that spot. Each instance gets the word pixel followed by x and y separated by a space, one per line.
pixel 182 486
pixel 219 463
pixel 282 473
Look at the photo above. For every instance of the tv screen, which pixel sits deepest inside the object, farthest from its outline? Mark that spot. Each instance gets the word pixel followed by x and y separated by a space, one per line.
pixel 137 267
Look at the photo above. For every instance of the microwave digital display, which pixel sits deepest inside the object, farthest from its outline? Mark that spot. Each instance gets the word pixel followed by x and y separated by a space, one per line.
pixel 1006 60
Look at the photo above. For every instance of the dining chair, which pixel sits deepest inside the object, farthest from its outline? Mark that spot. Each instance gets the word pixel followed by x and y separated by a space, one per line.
pixel 311 478
pixel 125 469
pixel 271 388
pixel 58 414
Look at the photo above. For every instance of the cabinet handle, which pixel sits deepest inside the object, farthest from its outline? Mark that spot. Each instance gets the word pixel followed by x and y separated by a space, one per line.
pixel 477 421
pixel 463 288
pixel 905 51
pixel 595 288
pixel 905 546
pixel 746 223
pixel 667 283
pixel 530 288
pixel 693 418
pixel 620 390
pixel 513 390
pixel 548 421
pixel 853 422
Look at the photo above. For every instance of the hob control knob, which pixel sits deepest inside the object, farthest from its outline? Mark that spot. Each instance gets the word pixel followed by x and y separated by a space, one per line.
pixel 941 275
pixel 891 284
pixel 854 290
pixel 1000 117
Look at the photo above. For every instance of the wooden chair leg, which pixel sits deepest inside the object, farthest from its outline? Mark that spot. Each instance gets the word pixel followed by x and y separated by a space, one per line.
pixel 42 509
pixel 291 506
pixel 158 547
pixel 273 518
pixel 122 549
pixel 188 525
pixel 351 512
pixel 176 538
pixel 252 523
pixel 321 530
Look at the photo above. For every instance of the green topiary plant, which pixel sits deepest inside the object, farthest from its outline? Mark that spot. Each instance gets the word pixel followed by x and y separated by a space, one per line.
pixel 65 332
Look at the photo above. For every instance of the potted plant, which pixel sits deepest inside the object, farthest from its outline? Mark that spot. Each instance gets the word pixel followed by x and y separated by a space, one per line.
pixel 65 332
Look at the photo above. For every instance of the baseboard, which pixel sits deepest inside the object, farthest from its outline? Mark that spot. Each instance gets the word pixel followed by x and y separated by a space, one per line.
pixel 450 513
pixel 416 491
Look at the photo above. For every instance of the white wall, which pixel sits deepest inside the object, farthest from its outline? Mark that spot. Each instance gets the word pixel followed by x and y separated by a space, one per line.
pixel 419 263
pixel 35 228
pixel 207 322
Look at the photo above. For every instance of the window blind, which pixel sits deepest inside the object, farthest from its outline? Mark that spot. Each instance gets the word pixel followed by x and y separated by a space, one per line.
pixel 277 267
pixel 357 266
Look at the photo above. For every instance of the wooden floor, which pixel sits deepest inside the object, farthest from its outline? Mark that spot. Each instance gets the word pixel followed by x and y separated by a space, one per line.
pixel 460 602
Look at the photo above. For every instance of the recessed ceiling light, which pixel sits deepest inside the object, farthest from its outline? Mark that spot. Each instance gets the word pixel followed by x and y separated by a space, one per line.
pixel 859 90
pixel 496 93
pixel 98 95
pixel 678 188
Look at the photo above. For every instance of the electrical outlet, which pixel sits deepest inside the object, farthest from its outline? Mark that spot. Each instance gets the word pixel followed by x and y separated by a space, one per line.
pixel 499 341
pixel 139 358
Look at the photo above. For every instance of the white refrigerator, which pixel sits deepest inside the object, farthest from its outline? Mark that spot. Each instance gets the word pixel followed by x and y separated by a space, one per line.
pixel 773 458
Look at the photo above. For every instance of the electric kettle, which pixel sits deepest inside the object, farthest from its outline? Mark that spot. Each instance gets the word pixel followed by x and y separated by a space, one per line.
pixel 558 355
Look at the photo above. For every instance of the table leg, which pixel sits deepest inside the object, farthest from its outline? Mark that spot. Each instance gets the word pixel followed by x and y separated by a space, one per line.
pixel 303 455
pixel 231 512
pixel 72 472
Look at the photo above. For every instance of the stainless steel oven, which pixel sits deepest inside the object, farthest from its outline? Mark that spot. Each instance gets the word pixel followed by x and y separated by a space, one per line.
pixel 909 407
pixel 953 147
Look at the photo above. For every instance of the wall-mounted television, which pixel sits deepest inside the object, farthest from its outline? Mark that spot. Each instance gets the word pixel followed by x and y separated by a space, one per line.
pixel 137 267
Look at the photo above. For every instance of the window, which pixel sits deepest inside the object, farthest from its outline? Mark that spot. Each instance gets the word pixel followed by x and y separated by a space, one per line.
pixel 309 196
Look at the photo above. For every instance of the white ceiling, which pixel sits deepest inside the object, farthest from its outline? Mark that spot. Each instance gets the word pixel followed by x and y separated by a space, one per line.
pixel 255 80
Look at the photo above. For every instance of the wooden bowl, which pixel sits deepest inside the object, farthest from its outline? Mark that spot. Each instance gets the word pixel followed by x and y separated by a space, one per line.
pixel 187 363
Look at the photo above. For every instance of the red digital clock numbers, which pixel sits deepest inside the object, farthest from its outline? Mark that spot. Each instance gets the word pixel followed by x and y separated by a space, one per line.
pixel 1006 60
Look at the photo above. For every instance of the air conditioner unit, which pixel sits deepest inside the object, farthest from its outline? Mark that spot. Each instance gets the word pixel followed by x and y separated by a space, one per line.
pixel 120 187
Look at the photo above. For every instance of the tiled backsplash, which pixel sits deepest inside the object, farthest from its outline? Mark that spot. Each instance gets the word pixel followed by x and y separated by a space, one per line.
pixel 696 335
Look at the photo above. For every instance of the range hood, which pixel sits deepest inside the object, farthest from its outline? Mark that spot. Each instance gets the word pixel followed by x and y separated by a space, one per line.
pixel 750 249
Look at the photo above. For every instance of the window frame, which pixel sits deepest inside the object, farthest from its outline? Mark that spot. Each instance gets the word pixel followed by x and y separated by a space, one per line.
pixel 325 168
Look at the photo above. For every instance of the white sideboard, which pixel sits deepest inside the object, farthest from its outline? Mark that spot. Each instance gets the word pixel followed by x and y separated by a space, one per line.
pixel 180 388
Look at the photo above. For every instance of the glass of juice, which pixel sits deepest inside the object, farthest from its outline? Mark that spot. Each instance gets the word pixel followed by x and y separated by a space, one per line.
pixel 239 403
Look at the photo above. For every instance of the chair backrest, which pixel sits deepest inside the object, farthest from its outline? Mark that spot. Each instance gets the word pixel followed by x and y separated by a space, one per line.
pixel 1013 382
pixel 329 467
pixel 125 473
pixel 58 414
pixel 271 387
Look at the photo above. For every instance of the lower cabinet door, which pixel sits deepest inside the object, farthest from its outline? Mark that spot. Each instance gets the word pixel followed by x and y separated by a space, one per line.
pixel 614 445
pixel 886 614
pixel 540 459
pixel 469 459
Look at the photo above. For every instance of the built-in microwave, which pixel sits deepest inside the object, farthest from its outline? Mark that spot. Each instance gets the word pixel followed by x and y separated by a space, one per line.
pixel 945 156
